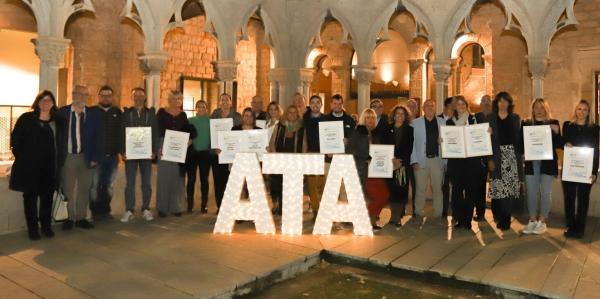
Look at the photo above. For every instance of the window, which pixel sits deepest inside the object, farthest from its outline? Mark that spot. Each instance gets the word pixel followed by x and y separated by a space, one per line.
pixel 196 89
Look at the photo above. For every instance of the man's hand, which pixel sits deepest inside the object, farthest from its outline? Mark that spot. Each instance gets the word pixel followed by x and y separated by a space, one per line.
pixel 554 128
pixel 491 166
pixel 397 163
pixel 416 166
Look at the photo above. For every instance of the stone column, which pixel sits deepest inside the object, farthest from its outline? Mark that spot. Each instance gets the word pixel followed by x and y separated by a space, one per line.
pixel 441 72
pixel 285 82
pixel 152 63
pixel 537 68
pixel 415 85
pixel 456 75
pixel 226 73
pixel 364 75
pixel 344 74
pixel 51 52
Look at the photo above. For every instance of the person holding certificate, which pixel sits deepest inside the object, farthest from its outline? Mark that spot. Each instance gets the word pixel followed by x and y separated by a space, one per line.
pixel 401 136
pixel 311 119
pixel 375 189
pixel 503 165
pixel 539 174
pixel 580 131
pixel 170 175
pixel 274 114
pixel 288 137
pixel 139 116
pixel 339 114
pixel 199 157
pixel 221 171
pixel 463 173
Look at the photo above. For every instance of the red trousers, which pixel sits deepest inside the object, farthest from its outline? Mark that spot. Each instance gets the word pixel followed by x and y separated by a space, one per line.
pixel 379 195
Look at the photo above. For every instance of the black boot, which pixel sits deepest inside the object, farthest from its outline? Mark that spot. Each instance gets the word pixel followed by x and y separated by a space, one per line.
pixel 190 205
pixel 46 215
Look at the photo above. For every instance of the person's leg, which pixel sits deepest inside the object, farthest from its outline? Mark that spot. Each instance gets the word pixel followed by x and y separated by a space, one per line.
pixel 220 174
pixel 84 184
pixel 410 174
pixel 480 192
pixel 546 202
pixel 204 166
pixel 31 214
pixel 446 194
pixel 45 212
pixel 457 201
pixel 113 165
pixel 192 168
pixel 130 178
pixel 421 181
pixel 569 192
pixel 506 213
pixel 436 173
pixel 583 202
pixel 69 181
pixel 146 174
pixel 95 195
pixel 533 184
pixel 178 182
pixel 162 187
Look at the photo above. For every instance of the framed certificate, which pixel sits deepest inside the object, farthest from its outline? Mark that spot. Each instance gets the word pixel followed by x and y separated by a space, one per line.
pixel 261 123
pixel 453 142
pixel 175 146
pixel 138 143
pixel 331 137
pixel 537 141
pixel 255 142
pixel 216 126
pixel 478 141
pixel 577 164
pixel 229 143
pixel 381 165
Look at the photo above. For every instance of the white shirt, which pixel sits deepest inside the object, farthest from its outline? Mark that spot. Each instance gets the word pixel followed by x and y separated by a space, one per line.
pixel 77 131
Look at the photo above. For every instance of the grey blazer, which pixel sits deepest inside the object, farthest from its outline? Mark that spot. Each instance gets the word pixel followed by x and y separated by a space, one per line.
pixel 418 154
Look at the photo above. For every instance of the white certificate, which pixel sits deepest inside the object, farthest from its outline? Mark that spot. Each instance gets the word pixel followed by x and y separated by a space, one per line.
pixel 216 126
pixel 381 165
pixel 538 143
pixel 246 141
pixel 138 143
pixel 453 142
pixel 478 141
pixel 175 146
pixel 261 123
pixel 331 137
pixel 229 144
pixel 577 164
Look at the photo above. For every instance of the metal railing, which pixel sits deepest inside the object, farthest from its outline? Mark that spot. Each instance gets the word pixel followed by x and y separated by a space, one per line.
pixel 8 118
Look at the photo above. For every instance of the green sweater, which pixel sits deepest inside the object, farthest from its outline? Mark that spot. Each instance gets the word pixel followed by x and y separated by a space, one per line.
pixel 202 125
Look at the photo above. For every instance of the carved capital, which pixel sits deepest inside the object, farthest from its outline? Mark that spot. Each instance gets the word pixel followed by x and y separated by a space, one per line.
pixel 441 69
pixel 152 63
pixel 364 74
pixel 226 70
pixel 538 65
pixel 51 50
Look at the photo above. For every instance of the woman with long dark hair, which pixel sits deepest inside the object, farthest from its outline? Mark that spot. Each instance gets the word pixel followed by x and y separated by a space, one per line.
pixel 503 165
pixel 579 131
pixel 34 172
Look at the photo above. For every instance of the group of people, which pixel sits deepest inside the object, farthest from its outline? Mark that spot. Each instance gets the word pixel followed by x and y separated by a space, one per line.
pixel 75 149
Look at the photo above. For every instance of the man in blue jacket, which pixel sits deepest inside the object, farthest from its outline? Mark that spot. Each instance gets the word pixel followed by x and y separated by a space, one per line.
pixel 79 150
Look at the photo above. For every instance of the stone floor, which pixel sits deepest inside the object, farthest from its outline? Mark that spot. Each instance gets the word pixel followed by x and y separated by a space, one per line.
pixel 181 258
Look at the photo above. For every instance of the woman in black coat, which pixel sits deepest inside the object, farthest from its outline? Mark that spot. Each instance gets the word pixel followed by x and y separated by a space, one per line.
pixel 401 136
pixel 34 172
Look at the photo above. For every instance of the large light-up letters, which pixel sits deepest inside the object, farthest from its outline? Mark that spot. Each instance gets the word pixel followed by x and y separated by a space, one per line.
pixel 293 167
pixel 256 208
pixel 343 169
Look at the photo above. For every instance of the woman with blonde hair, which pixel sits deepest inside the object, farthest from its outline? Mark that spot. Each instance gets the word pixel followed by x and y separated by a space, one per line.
pixel 288 137
pixel 580 131
pixel 540 174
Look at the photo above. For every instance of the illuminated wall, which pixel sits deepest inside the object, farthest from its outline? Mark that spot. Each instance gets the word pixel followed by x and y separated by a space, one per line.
pixel 19 68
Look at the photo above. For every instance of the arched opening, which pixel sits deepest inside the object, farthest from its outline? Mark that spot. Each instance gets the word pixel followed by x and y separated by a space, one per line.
pixel 322 78
pixel 470 76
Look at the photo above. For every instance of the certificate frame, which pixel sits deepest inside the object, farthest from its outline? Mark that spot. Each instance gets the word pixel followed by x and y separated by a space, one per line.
pixel 175 146
pixel 218 125
pixel 245 141
pixel 453 142
pixel 138 143
pixel 381 165
pixel 537 141
pixel 331 137
pixel 478 141
pixel 577 166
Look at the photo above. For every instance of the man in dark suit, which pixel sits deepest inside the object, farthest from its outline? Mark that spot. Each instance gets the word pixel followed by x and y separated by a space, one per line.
pixel 446 114
pixel 383 125
pixel 79 151
pixel 482 117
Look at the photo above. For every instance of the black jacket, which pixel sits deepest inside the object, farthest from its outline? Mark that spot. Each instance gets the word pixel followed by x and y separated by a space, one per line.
pixel 403 148
pixel 311 131
pixel 349 123
pixel 112 124
pixel 548 167
pixel 585 136
pixel 515 121
pixel 34 147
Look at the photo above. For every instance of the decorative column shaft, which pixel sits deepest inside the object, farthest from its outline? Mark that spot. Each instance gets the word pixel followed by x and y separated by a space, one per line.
pixel 364 75
pixel 226 73
pixel 537 67
pixel 441 72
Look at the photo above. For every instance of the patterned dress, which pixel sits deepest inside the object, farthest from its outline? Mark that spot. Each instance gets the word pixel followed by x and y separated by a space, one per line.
pixel 507 186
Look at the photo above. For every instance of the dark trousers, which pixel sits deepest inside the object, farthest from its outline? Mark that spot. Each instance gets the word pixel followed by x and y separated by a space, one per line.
pixel 276 187
pixel 463 197
pixel 502 208
pixel 446 195
pixel 131 169
pixel 576 193
pixel 35 216
pixel 220 177
pixel 102 185
pixel 398 199
pixel 480 194
pixel 199 160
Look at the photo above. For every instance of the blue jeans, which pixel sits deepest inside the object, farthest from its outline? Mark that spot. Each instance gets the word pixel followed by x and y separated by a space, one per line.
pixel 102 185
pixel 131 167
pixel 539 192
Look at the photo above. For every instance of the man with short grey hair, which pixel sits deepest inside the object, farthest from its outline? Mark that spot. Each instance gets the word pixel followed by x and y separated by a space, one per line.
pixel 257 108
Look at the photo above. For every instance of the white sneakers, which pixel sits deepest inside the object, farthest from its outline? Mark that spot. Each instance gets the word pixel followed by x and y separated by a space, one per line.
pixel 148 215
pixel 129 215
pixel 535 227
